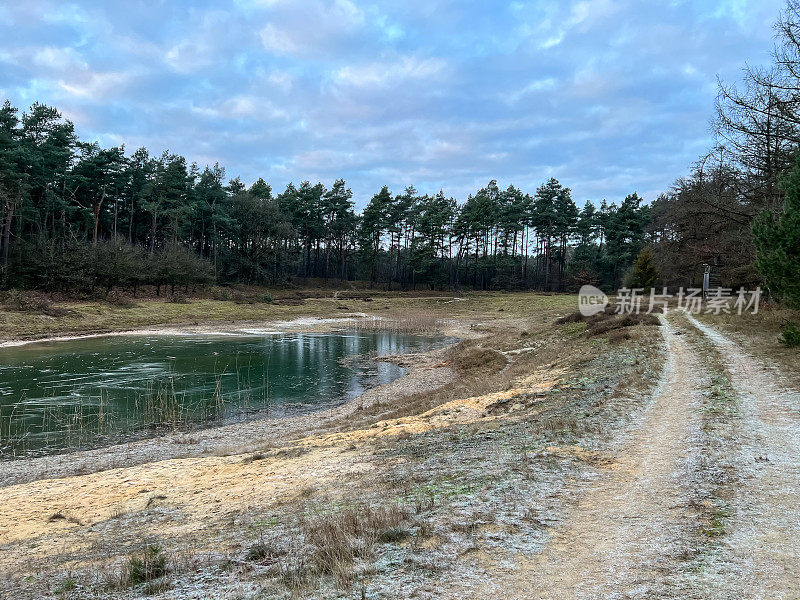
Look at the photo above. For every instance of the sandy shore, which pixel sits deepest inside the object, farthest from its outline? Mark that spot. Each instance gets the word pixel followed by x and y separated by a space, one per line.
pixel 301 324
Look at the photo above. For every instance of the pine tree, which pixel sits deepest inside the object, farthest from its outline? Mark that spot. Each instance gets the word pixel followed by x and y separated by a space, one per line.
pixel 777 240
pixel 644 272
pixel 371 229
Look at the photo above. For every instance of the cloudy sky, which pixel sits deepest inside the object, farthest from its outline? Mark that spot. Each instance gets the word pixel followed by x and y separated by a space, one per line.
pixel 609 96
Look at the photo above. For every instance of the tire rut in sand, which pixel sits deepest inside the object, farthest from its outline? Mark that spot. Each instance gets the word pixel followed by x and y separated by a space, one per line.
pixel 759 555
pixel 625 536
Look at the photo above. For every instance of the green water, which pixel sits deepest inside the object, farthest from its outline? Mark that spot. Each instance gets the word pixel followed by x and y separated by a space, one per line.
pixel 93 391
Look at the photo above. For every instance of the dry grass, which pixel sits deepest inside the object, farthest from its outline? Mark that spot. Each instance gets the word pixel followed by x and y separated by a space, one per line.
pixel 413 312
pixel 331 543
pixel 339 538
pixel 423 321
pixel 610 321
pixel 476 360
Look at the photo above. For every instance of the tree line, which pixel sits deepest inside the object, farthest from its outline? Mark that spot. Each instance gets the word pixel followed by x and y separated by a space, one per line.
pixel 76 217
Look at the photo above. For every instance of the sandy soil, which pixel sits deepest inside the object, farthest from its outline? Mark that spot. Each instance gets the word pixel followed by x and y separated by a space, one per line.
pixel 759 557
pixel 631 534
pixel 621 537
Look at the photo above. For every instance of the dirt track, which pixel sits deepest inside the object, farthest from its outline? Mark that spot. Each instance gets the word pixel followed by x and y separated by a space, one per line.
pixel 759 557
pixel 630 533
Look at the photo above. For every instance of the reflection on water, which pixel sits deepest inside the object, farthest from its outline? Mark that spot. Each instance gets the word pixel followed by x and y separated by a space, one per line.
pixel 67 394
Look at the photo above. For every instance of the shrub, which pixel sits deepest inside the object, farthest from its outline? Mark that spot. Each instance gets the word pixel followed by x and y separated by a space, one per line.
pixel 476 359
pixel 221 293
pixel 790 335
pixel 575 317
pixel 21 301
pixel 619 335
pixel 611 322
pixel 643 274
pixel 116 263
pixel 608 320
pixel 178 298
pixel 267 298
pixel 148 565
pixel 119 299
pixel 176 266
pixel 261 551
pixel 239 298
pixel 393 535
pixel 68 585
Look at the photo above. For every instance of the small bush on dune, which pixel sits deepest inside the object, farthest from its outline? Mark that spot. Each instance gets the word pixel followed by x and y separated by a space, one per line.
pixel 146 566
pixel 619 335
pixel 614 322
pixel 20 301
pixel 261 551
pixel 393 535
pixel 220 293
pixel 609 321
pixel 239 298
pixel 578 317
pixel 475 359
pixel 178 298
pixel 575 317
pixel 790 335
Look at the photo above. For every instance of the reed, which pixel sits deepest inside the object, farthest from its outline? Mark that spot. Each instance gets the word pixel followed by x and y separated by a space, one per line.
pixel 27 430
pixel 419 323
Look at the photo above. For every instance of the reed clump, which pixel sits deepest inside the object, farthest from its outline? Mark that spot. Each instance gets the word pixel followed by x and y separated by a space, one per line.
pixel 419 323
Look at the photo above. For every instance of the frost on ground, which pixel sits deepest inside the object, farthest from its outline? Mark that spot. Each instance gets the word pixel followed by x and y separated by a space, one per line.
pixel 758 555
pixel 561 461
pixel 704 500
pixel 400 496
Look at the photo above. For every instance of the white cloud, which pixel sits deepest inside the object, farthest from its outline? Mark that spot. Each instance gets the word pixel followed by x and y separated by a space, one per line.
pixel 535 86
pixel 187 57
pixel 50 57
pixel 281 80
pixel 243 106
pixel 277 40
pixel 601 94
pixel 388 73
pixel 349 12
pixel 95 85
